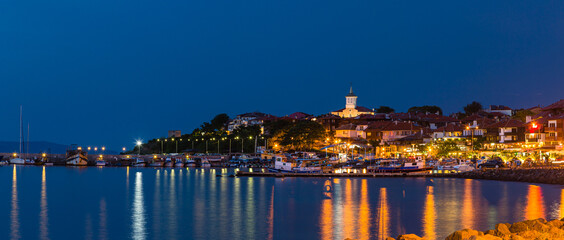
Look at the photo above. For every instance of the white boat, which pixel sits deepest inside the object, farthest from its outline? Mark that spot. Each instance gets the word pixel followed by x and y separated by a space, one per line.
pixel 100 163
pixel 17 161
pixel 168 162
pixel 282 164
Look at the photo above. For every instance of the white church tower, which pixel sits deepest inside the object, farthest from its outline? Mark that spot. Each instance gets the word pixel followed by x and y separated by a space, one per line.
pixel 351 100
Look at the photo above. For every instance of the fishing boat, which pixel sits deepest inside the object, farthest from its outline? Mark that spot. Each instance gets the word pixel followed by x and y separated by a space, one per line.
pixel 282 164
pixel 139 162
pixel 178 162
pixel 76 157
pixel 168 162
pixel 190 162
pixel 156 163
pixel 395 166
pixel 205 163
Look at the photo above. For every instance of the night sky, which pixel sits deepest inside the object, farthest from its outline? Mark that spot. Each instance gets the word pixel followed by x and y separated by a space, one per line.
pixel 107 72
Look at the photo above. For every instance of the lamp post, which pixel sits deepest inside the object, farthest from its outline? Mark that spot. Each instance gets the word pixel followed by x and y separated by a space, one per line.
pixel 139 143
pixel 230 146
pixel 471 129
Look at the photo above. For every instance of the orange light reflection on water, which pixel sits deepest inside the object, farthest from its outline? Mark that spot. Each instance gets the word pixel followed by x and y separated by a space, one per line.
pixel 383 215
pixel 364 212
pixel 348 212
pixel 429 215
pixel 468 205
pixel 327 213
pixel 535 205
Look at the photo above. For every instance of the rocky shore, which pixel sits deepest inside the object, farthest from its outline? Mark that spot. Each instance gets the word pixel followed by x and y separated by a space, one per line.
pixel 538 229
pixel 530 175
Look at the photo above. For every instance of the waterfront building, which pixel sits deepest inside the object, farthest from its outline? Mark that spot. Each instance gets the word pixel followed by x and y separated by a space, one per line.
pixel 396 130
pixel 450 131
pixel 500 109
pixel 351 109
pixel 508 131
pixel 249 119
pixel 174 133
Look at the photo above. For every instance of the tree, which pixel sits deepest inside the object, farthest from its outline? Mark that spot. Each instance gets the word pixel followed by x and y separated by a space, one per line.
pixel 303 134
pixel 219 121
pixel 426 109
pixel 521 115
pixel 472 108
pixel 385 109
pixel 446 147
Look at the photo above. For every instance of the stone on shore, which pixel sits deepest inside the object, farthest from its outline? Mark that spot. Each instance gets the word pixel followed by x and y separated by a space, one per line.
pixel 409 237
pixel 464 234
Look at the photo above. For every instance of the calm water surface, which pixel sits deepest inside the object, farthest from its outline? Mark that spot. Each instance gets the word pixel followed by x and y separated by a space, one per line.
pixel 146 203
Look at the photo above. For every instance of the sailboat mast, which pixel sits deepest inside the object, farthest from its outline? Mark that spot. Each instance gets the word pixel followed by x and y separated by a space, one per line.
pixel 21 129
pixel 27 147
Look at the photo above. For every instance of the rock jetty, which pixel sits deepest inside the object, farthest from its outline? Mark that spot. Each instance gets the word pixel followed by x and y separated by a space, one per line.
pixel 538 229
pixel 531 175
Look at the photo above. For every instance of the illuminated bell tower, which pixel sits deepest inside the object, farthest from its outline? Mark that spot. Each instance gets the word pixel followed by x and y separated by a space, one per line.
pixel 351 99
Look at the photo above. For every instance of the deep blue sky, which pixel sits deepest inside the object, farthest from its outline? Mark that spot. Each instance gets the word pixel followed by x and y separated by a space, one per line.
pixel 106 72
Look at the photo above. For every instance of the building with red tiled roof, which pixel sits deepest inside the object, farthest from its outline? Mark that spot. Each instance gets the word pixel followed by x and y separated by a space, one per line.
pixel 500 109
pixel 351 110
pixel 556 108
pixel 508 131
pixel 300 116
pixel 450 131
pixel 396 130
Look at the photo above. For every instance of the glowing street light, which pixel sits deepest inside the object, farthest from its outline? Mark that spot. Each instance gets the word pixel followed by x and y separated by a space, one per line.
pixel 139 143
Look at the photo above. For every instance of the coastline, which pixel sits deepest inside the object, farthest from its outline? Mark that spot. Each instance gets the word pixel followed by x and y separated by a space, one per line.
pixel 529 175
pixel 528 229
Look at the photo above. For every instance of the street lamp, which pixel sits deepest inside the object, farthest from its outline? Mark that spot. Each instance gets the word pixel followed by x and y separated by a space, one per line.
pixel 159 140
pixel 139 143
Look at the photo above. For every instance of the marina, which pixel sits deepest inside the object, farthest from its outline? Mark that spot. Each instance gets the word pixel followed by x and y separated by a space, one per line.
pixel 151 203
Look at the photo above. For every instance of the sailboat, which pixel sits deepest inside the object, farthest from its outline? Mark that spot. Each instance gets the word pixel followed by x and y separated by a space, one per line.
pixel 17 158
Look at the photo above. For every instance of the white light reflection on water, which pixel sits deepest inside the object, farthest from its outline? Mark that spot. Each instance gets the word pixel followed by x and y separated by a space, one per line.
pixel 14 214
pixel 138 216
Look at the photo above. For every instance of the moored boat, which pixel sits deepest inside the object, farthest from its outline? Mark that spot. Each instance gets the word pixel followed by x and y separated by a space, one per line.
pixel 139 162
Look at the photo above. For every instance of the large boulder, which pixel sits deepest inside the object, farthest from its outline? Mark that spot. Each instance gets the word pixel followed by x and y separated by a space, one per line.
pixel 464 234
pixel 537 225
pixel 485 237
pixel 518 227
pixel 409 237
pixel 501 230
pixel 555 223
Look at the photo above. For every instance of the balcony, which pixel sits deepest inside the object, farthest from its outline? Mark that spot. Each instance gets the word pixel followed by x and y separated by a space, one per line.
pixel 550 129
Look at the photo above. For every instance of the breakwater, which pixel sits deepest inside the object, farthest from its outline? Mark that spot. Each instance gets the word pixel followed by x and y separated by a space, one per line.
pixel 530 175
pixel 530 229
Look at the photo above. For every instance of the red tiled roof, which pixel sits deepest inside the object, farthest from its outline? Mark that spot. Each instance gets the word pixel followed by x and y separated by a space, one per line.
pixel 398 126
pixel 556 105
pixel 299 115
pixel 349 126
pixel 509 123
pixel 450 128
pixel 377 125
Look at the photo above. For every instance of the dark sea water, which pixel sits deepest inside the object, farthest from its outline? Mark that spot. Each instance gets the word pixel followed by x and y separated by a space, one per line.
pixel 147 203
